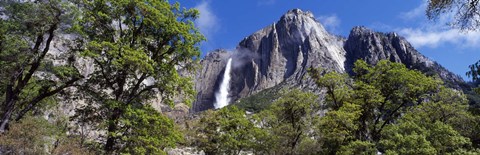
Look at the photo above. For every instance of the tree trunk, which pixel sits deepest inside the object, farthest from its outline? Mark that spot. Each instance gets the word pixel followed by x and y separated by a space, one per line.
pixel 112 128
pixel 6 115
pixel 9 106
pixel 111 139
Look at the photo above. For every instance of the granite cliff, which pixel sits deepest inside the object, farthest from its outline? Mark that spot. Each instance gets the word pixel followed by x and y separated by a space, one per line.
pixel 281 53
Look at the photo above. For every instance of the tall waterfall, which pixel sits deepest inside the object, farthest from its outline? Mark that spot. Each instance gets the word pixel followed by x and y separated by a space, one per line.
pixel 222 95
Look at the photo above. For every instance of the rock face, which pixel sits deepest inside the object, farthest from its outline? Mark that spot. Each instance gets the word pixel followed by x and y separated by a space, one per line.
pixel 281 53
pixel 208 77
pixel 370 46
pixel 277 53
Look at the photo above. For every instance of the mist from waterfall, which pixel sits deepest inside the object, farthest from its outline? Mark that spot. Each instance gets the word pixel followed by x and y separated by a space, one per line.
pixel 222 95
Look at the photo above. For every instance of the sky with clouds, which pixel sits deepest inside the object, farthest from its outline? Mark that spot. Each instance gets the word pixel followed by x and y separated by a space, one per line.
pixel 225 23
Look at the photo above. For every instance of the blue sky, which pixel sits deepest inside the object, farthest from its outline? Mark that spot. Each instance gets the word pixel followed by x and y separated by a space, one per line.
pixel 225 23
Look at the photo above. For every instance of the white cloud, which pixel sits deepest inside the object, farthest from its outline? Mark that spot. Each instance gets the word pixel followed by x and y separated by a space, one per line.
pixel 419 11
pixel 208 21
pixel 435 33
pixel 421 37
pixel 331 22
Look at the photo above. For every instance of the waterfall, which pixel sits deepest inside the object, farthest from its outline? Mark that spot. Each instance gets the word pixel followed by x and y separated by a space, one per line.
pixel 222 95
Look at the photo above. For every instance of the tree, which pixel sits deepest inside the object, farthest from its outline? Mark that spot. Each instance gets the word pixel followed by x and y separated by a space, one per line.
pixel 443 123
pixel 229 131
pixel 406 138
pixel 47 138
pixel 27 32
pixel 358 147
pixel 137 49
pixel 446 118
pixel 383 92
pixel 392 90
pixel 338 87
pixel 474 73
pixel 337 128
pixel 289 119
pixel 395 111
pixel 145 131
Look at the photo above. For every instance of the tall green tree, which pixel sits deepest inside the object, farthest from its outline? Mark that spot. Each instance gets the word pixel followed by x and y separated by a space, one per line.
pixel 441 125
pixel 289 119
pixel 337 128
pixel 145 131
pixel 445 111
pixel 28 30
pixel 395 111
pixel 137 48
pixel 230 131
pixel 338 87
pixel 392 90
pixel 383 92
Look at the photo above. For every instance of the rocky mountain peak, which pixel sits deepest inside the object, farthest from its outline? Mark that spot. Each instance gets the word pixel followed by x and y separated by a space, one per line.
pixel 297 16
pixel 297 12
pixel 281 53
pixel 372 46
pixel 273 55
pixel 359 30
pixel 300 24
pixel 217 55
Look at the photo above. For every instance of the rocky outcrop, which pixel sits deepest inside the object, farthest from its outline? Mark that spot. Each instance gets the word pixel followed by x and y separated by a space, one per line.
pixel 370 46
pixel 277 53
pixel 208 79
pixel 281 53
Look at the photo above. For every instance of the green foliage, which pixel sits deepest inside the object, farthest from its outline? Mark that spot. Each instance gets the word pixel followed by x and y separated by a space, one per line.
pixel 358 147
pixel 406 138
pixel 451 128
pixel 229 131
pixel 474 71
pixel 289 119
pixel 137 48
pixel 398 111
pixel 337 128
pixel 445 139
pixel 385 108
pixel 283 127
pixel 395 90
pixel 337 86
pixel 259 101
pixel 35 135
pixel 20 139
pixel 148 39
pixel 146 131
pixel 29 77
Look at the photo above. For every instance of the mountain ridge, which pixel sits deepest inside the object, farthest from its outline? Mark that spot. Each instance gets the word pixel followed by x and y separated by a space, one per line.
pixel 283 51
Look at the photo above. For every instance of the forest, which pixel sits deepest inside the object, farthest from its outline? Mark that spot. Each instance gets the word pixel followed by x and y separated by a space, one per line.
pixel 80 76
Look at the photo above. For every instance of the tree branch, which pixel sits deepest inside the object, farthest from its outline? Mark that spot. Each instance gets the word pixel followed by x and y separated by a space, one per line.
pixel 32 103
pixel 22 83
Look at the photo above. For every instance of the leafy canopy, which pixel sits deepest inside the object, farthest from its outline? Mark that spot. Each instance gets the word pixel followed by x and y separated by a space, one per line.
pixel 394 110
pixel 138 49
